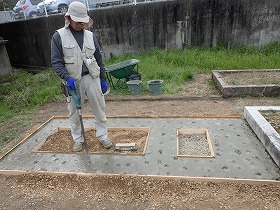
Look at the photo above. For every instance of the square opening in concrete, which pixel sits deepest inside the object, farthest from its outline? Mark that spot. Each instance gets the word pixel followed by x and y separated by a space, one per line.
pixel 194 143
pixel 61 141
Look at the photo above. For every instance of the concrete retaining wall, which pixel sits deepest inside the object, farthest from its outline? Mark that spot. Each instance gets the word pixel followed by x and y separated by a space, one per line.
pixel 259 90
pixel 265 132
pixel 164 25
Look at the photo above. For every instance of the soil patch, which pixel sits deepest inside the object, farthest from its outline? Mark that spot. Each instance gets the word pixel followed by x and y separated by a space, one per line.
pixel 252 77
pixel 273 118
pixel 62 141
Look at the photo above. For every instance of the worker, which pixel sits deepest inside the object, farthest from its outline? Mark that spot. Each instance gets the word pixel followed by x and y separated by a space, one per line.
pixel 76 58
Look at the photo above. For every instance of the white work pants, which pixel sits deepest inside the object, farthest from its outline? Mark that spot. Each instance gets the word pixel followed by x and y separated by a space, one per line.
pixel 89 87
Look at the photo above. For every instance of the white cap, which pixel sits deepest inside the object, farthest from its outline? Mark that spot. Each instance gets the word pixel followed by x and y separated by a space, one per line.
pixel 78 13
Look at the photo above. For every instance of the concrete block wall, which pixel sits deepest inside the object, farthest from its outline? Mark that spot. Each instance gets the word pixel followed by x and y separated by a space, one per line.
pixel 164 25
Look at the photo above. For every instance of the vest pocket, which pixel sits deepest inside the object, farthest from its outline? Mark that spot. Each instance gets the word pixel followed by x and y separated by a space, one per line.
pixel 69 60
pixel 68 50
pixel 94 69
pixel 89 51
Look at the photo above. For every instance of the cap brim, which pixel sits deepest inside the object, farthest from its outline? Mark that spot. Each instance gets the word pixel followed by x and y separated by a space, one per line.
pixel 79 19
pixel 89 24
pixel 86 25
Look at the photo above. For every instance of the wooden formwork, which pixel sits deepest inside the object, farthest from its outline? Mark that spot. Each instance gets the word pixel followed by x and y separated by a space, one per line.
pixel 160 177
pixel 144 129
pixel 195 131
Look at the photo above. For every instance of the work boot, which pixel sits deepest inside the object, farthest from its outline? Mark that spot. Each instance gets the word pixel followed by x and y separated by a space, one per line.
pixel 106 143
pixel 78 146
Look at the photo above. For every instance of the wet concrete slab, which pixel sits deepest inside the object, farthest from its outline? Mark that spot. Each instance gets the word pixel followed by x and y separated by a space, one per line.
pixel 238 151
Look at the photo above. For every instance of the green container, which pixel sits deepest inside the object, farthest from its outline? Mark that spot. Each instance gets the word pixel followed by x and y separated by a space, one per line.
pixel 134 86
pixel 155 86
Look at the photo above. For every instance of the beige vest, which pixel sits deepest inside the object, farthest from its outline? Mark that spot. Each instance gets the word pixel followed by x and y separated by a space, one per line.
pixel 74 56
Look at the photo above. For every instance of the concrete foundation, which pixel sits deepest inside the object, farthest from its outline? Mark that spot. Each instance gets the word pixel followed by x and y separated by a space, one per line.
pixel 238 152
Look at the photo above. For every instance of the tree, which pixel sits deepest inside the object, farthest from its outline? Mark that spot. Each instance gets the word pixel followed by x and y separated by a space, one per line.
pixel 7 4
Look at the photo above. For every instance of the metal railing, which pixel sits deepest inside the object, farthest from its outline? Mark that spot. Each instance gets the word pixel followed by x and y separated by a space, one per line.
pixel 6 16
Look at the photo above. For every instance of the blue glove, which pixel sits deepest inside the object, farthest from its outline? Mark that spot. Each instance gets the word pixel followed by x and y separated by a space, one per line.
pixel 71 83
pixel 104 86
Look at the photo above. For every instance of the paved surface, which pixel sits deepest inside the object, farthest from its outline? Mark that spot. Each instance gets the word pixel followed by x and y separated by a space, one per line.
pixel 238 152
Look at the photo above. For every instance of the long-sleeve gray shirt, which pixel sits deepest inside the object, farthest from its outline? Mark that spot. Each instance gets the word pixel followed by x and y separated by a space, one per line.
pixel 57 61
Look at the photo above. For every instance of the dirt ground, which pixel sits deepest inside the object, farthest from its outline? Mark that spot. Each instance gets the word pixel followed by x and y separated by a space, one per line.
pixel 52 191
pixel 199 98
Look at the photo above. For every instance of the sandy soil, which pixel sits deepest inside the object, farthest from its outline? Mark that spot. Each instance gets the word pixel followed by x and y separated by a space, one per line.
pixel 61 141
pixel 70 191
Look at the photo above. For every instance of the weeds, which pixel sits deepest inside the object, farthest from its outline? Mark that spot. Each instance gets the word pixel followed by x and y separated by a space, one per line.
pixel 22 90
pixel 25 91
pixel 175 67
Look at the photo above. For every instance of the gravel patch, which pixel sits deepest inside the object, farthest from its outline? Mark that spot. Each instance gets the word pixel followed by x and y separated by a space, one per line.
pixel 193 145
